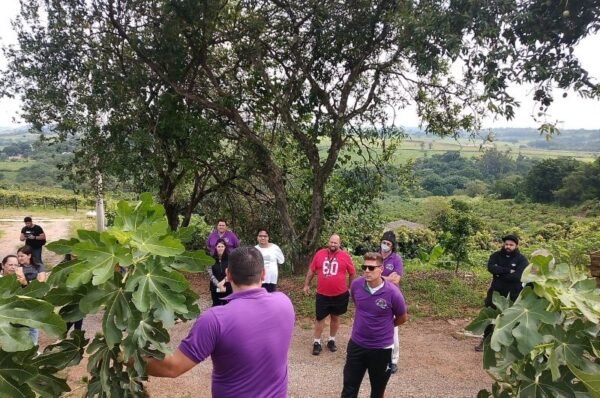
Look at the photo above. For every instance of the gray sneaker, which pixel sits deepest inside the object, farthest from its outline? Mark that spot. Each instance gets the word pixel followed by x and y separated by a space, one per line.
pixel 393 368
pixel 317 348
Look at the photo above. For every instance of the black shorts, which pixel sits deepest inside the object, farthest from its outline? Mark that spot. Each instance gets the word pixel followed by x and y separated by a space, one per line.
pixel 331 305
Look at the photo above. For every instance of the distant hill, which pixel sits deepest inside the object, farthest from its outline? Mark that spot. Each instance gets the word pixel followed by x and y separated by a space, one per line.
pixel 567 140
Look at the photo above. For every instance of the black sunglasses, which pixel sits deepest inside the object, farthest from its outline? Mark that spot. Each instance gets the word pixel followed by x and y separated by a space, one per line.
pixel 369 267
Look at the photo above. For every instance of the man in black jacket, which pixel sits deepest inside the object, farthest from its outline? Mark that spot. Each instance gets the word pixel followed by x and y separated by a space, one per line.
pixel 506 265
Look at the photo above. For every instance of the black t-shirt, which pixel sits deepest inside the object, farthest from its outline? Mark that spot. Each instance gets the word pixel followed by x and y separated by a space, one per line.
pixel 36 230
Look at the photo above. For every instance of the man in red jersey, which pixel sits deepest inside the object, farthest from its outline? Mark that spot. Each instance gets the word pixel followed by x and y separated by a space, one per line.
pixel 330 264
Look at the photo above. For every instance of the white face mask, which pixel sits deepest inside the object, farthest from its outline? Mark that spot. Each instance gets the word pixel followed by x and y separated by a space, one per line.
pixel 385 248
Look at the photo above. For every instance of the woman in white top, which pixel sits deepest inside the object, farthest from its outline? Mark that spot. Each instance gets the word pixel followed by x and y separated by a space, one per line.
pixel 272 256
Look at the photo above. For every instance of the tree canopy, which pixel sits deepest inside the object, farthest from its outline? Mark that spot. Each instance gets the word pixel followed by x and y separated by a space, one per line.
pixel 295 84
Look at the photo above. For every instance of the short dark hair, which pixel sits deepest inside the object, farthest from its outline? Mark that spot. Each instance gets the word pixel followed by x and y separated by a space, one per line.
pixel 262 229
pixel 222 220
pixel 374 256
pixel 27 219
pixel 246 265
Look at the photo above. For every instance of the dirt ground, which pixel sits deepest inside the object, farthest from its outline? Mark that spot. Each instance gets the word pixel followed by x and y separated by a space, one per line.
pixel 436 359
pixel 54 229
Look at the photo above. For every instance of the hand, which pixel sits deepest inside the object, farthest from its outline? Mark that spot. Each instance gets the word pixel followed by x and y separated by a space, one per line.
pixel 20 276
pixel 306 289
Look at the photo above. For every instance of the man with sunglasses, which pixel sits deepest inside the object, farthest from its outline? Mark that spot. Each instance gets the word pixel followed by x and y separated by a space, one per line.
pixel 393 270
pixel 379 307
pixel 330 264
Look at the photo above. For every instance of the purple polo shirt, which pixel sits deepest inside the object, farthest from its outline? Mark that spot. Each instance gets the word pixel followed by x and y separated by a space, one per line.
pixel 375 313
pixel 248 341
pixel 393 263
pixel 231 241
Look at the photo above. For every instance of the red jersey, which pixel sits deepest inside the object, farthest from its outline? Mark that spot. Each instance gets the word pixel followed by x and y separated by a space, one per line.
pixel 331 269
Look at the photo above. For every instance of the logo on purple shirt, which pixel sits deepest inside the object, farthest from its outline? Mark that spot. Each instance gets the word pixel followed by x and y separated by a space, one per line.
pixel 381 303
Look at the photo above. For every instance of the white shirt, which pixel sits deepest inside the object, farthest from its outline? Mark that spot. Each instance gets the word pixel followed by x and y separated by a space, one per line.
pixel 272 256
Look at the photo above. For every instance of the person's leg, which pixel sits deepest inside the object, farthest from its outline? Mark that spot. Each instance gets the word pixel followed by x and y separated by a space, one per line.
pixel 78 325
pixel 215 298
pixel 321 312
pixel 270 287
pixel 334 325
pixel 354 370
pixel 36 252
pixel 396 350
pixel 379 366
pixel 35 335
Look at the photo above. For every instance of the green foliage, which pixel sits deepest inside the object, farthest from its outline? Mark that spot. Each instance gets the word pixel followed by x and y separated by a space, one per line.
pixel 546 177
pixel 414 241
pixel 455 228
pixel 24 373
pixel 132 272
pixel 545 344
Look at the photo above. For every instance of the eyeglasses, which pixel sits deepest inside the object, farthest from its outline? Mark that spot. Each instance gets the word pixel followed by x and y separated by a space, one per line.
pixel 369 267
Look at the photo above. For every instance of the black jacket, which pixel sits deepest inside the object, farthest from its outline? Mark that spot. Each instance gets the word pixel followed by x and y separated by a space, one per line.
pixel 507 270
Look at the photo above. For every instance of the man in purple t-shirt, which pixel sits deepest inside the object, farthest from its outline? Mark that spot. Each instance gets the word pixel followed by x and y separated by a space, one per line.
pixel 221 232
pixel 248 340
pixel 393 270
pixel 379 307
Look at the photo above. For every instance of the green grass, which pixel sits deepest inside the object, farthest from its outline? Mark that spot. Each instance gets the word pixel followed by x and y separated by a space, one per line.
pixel 438 294
pixel 9 170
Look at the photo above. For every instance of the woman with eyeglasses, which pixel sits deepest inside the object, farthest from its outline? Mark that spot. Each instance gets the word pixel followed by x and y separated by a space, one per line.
pixel 273 258
pixel 393 270
pixel 219 285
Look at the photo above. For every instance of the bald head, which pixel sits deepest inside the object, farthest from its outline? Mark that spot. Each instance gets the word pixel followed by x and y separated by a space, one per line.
pixel 334 242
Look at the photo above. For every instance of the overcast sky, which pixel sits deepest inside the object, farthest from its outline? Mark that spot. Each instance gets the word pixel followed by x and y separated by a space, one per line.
pixel 572 112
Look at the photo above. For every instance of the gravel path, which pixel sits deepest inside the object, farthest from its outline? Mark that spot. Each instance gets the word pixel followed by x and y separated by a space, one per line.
pixel 436 360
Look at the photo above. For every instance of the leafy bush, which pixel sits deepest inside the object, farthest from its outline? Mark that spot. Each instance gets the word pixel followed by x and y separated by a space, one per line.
pixel 132 272
pixel 545 344
pixel 413 241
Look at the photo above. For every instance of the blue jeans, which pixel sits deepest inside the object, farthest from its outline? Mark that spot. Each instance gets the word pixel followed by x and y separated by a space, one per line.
pixel 35 335
pixel 36 252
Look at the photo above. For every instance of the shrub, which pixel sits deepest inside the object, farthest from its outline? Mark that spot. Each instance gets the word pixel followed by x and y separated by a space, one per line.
pixel 545 343
pixel 411 241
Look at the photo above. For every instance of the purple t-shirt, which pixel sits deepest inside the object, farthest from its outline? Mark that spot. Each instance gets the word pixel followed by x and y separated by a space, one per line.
pixel 248 341
pixel 375 314
pixel 231 241
pixel 393 263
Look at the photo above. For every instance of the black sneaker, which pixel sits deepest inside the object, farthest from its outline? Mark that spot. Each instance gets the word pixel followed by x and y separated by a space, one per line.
pixel 393 368
pixel 331 345
pixel 317 348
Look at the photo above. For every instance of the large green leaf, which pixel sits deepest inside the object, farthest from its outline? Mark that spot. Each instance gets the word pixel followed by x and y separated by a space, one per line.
pixel 485 317
pixel 192 261
pixel 584 296
pixel 569 347
pixel 100 260
pixel 9 285
pixel 151 283
pixel 119 315
pixel 542 386
pixel 60 273
pixel 58 356
pixel 14 377
pixel 522 321
pixel 62 246
pixel 27 311
pixel 35 289
pixel 149 241
pixel 590 376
